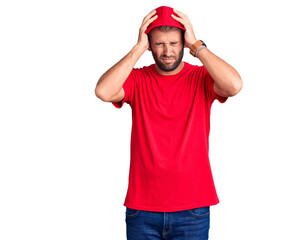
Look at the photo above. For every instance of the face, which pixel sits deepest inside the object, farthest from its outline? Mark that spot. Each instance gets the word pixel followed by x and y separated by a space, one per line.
pixel 167 48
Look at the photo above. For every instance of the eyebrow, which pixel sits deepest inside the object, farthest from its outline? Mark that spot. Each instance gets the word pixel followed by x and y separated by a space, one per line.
pixel 169 42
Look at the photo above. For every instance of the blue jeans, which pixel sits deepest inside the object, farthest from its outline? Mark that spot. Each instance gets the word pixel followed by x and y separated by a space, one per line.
pixel 192 224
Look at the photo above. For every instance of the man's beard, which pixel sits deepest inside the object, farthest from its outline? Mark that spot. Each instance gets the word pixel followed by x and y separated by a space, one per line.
pixel 167 67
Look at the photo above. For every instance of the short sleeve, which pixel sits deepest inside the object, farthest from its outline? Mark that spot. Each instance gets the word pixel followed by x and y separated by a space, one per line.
pixel 129 88
pixel 210 93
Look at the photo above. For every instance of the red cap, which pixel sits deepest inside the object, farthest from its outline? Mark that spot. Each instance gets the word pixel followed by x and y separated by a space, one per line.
pixel 164 19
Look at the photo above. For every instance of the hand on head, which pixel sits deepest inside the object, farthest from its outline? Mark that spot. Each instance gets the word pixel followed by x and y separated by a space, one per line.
pixel 166 16
pixel 189 33
pixel 143 38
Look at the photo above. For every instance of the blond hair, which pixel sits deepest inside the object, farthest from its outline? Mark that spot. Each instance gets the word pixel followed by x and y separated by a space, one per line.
pixel 169 28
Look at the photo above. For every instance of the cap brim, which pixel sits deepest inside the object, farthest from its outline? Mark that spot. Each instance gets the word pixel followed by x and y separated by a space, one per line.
pixel 148 30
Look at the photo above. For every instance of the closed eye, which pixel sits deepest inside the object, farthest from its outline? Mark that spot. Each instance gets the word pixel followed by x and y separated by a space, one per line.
pixel 171 43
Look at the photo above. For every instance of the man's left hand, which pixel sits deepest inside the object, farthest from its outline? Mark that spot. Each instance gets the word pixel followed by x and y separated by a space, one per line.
pixel 189 33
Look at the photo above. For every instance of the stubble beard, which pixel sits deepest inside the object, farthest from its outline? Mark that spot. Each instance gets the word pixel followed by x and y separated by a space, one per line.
pixel 168 67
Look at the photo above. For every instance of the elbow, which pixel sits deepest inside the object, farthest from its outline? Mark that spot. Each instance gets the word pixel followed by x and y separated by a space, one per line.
pixel 100 94
pixel 237 86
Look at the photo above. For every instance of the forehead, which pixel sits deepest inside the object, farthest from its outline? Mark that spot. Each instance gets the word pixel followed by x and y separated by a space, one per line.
pixel 165 36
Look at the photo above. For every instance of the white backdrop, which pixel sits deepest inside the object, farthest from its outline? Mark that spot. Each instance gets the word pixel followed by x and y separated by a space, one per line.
pixel 65 153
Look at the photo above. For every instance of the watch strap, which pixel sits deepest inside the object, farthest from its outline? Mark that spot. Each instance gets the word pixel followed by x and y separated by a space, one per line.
pixel 195 46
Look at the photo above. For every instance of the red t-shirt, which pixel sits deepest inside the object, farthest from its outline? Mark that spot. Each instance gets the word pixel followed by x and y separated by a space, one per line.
pixel 169 165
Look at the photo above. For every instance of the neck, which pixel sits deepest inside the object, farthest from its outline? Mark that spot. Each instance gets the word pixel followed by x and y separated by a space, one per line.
pixel 177 70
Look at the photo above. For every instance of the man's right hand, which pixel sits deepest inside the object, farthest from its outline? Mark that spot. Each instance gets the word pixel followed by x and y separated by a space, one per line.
pixel 143 38
pixel 110 85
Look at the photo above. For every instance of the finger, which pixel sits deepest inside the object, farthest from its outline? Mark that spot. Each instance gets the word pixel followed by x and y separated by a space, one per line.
pixel 180 14
pixel 182 21
pixel 148 22
pixel 149 15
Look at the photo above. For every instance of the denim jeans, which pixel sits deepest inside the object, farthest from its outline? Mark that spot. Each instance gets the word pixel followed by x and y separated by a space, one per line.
pixel 192 224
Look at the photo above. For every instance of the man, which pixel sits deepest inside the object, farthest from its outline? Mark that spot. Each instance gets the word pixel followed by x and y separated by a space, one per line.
pixel 171 186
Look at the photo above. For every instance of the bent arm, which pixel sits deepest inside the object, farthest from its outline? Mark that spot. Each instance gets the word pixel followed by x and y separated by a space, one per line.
pixel 227 81
pixel 110 83
pixel 110 86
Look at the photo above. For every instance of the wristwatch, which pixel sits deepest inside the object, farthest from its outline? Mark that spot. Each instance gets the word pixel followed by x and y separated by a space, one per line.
pixel 196 46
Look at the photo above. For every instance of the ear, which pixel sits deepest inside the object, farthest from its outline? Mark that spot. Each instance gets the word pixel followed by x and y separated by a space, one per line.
pixel 149 42
pixel 149 48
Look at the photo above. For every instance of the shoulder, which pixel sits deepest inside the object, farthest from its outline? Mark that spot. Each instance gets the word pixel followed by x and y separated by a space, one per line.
pixel 191 67
pixel 192 70
pixel 148 69
pixel 143 72
pixel 144 68
pixel 199 70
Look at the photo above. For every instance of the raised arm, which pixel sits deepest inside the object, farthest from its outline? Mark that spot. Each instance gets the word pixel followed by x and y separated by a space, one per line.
pixel 109 87
pixel 227 81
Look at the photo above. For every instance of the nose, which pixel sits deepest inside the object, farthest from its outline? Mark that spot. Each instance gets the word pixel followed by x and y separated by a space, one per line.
pixel 167 49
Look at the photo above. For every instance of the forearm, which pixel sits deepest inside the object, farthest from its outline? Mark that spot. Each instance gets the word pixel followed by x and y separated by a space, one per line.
pixel 111 82
pixel 225 76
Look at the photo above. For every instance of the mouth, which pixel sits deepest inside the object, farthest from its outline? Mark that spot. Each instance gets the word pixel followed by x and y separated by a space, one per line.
pixel 167 60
